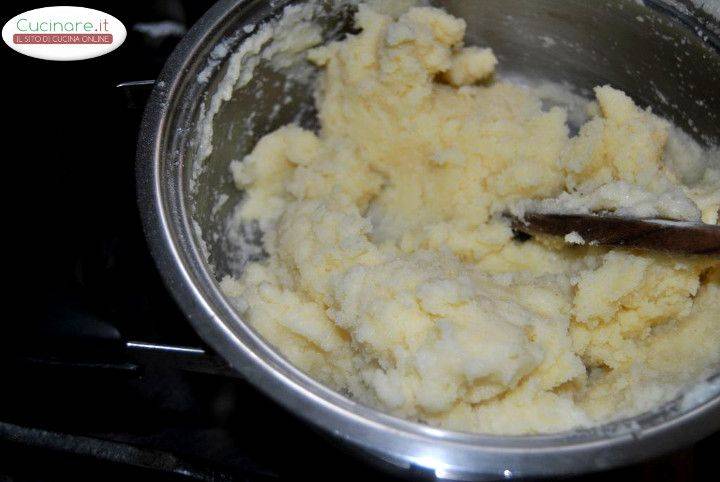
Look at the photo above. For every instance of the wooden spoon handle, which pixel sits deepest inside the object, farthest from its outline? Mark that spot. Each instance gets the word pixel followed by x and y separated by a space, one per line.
pixel 654 234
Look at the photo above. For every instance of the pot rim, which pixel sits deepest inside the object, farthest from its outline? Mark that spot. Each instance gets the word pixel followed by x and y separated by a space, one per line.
pixel 403 443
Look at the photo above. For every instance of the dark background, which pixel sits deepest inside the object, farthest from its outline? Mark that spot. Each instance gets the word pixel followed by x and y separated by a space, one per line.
pixel 81 281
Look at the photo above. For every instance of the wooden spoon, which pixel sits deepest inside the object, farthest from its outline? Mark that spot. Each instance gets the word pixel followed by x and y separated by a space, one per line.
pixel 606 230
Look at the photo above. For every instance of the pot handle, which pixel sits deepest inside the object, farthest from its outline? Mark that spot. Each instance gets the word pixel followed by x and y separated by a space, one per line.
pixel 80 340
pixel 130 358
pixel 136 92
pixel 187 358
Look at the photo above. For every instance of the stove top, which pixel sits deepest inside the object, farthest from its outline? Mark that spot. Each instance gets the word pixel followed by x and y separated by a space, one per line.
pixel 73 404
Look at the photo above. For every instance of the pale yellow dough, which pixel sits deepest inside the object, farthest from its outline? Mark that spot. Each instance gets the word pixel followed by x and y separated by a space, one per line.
pixel 392 278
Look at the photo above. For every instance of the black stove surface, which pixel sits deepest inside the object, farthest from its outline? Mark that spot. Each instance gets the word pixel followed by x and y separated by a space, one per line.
pixel 71 405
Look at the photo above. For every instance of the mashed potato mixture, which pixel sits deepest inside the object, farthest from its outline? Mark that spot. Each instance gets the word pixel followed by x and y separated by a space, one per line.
pixel 393 277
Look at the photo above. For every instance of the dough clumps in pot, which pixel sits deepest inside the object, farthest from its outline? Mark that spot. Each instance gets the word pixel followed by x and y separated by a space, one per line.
pixel 392 277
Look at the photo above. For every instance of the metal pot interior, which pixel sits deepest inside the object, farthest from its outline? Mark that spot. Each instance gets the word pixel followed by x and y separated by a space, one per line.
pixel 647 51
pixel 652 51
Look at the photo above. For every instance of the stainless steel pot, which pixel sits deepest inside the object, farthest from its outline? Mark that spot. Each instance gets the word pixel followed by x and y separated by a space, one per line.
pixel 664 54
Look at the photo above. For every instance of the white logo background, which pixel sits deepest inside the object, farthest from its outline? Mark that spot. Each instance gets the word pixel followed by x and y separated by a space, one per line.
pixel 84 23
